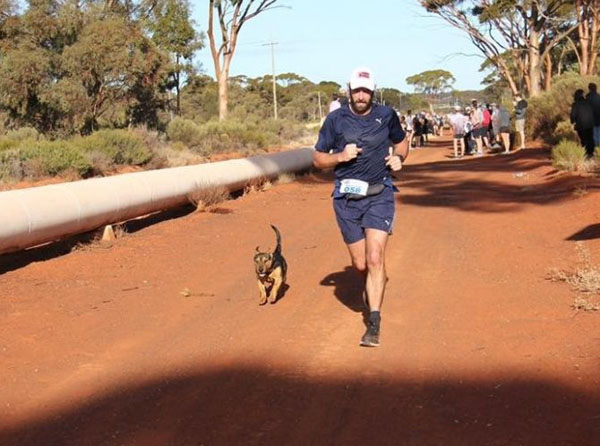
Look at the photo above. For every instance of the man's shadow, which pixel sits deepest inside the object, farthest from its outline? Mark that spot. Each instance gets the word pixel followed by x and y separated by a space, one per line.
pixel 349 288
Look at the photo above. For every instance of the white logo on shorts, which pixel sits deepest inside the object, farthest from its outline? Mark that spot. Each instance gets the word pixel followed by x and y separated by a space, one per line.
pixel 378 120
pixel 387 222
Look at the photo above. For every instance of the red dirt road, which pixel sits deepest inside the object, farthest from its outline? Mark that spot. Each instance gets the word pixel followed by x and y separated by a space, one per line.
pixel 101 347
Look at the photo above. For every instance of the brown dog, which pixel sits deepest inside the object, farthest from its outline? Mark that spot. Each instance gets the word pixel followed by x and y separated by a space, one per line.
pixel 271 270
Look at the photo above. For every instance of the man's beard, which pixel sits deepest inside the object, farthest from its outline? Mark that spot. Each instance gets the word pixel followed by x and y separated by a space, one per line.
pixel 361 108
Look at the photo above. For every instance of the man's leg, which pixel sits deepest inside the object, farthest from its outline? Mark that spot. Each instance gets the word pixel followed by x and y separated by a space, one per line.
pixel 522 135
pixel 375 258
pixel 375 284
pixel 455 143
pixel 479 143
pixel 358 255
pixel 506 142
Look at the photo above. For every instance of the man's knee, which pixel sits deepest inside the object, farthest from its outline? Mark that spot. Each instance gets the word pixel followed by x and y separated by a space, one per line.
pixel 359 265
pixel 375 258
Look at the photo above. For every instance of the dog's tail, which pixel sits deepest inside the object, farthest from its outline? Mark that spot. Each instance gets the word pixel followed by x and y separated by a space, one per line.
pixel 278 234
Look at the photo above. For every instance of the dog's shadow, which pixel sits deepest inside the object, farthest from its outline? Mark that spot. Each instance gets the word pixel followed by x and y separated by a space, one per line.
pixel 282 291
pixel 349 287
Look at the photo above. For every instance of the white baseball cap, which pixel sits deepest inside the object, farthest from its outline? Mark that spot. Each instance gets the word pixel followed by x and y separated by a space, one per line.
pixel 362 77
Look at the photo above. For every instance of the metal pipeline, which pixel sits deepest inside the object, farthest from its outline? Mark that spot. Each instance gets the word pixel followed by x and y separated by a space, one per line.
pixel 30 217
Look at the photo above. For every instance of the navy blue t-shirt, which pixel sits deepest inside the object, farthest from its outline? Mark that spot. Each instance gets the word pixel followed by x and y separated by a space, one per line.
pixel 374 133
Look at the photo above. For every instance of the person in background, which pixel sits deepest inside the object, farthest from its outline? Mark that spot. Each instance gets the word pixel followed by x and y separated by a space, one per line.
pixel 520 113
pixel 495 141
pixel 457 122
pixel 594 99
pixel 503 116
pixel 418 131
pixel 478 129
pixel 582 116
pixel 409 128
pixel 335 102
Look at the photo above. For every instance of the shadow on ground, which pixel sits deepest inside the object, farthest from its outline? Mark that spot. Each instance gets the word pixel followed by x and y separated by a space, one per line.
pixel 254 406
pixel 20 259
pixel 588 233
pixel 424 186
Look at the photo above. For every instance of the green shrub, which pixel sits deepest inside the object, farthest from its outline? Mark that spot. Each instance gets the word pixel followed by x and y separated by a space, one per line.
pixel 8 144
pixel 11 167
pixel 178 146
pixel 183 130
pixel 546 111
pixel 54 157
pixel 284 130
pixel 232 135
pixel 568 155
pixel 22 134
pixel 565 131
pixel 120 146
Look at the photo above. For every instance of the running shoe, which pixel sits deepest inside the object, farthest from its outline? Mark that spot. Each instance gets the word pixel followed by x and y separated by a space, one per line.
pixel 371 336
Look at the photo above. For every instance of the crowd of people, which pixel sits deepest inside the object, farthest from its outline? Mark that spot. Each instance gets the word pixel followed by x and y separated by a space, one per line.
pixel 474 127
pixel 478 127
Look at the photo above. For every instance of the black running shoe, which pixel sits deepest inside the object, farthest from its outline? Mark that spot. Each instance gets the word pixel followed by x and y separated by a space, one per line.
pixel 371 336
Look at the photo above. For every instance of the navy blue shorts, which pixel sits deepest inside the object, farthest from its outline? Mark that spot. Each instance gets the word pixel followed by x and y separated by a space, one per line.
pixel 354 216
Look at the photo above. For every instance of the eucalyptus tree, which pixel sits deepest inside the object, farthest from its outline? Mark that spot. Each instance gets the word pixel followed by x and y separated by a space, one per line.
pixel 519 32
pixel 173 31
pixel 230 16
pixel 432 82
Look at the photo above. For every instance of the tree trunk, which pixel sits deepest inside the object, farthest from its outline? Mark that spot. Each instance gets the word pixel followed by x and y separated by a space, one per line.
pixel 177 86
pixel 223 95
pixel 505 71
pixel 535 72
pixel 548 74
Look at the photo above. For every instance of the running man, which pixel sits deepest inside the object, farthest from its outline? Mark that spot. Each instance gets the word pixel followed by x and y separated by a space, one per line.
pixel 364 143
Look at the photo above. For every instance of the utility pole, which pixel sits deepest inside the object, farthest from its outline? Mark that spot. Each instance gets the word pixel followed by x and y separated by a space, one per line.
pixel 272 44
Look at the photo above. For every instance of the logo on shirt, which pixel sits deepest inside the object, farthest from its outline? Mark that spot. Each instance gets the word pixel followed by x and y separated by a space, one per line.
pixel 378 120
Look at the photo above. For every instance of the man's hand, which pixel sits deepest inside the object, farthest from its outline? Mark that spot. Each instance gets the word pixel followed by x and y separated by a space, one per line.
pixel 394 161
pixel 350 152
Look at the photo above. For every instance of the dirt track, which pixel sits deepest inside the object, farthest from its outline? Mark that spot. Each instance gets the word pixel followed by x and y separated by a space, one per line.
pixel 100 347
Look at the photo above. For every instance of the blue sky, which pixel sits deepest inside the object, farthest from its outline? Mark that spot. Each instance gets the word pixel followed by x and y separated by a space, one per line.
pixel 326 39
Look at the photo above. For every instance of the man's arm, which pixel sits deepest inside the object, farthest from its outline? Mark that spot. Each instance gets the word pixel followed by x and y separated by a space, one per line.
pixel 401 149
pixel 322 160
pixel 397 156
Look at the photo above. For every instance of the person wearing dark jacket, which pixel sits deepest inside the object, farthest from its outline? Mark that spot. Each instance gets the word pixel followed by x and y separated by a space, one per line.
pixel 582 115
pixel 594 99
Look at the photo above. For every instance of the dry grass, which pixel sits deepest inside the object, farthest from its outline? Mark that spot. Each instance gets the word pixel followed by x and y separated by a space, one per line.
pixel 285 178
pixel 94 239
pixel 260 184
pixel 207 198
pixel 580 191
pixel 581 304
pixel 585 279
pixel 120 230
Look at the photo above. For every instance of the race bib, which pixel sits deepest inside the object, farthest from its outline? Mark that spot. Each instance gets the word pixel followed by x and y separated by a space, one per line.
pixel 357 187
